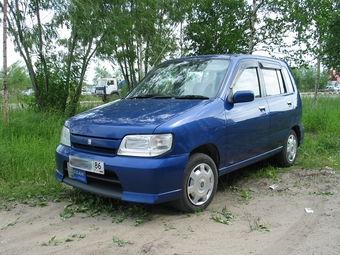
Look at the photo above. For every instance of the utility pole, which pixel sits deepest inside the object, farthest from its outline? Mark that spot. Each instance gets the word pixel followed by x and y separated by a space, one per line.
pixel 5 95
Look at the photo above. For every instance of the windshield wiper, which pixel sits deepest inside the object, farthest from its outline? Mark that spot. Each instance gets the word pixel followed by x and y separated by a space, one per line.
pixel 155 96
pixel 192 97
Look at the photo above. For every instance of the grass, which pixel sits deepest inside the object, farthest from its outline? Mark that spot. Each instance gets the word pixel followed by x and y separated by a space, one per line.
pixel 322 137
pixel 27 162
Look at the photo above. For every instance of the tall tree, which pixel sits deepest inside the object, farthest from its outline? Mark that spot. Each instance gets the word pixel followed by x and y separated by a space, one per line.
pixel 57 40
pixel 267 26
pixel 215 26
pixel 331 58
pixel 5 90
pixel 311 21
pixel 140 38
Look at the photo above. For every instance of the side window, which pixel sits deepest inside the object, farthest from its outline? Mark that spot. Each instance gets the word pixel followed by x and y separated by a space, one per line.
pixel 273 82
pixel 248 81
pixel 288 80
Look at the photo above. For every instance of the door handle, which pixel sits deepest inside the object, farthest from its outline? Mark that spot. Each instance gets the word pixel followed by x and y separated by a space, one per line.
pixel 289 103
pixel 262 108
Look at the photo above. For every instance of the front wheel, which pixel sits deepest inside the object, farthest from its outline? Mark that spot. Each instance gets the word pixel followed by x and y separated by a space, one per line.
pixel 287 157
pixel 199 184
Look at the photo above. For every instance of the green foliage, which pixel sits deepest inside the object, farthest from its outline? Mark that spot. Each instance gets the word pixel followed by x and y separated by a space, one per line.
pixel 141 35
pixel 332 46
pixel 305 78
pixel 227 20
pixel 100 73
pixel 310 21
pixel 17 79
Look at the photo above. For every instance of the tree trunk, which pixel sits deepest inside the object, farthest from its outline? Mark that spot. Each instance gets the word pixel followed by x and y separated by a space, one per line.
pixel 5 91
pixel 317 79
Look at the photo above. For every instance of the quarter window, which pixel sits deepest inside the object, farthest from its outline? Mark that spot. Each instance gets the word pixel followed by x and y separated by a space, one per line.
pixel 288 80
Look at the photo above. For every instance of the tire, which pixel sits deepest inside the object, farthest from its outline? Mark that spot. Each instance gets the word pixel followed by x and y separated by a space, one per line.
pixel 199 184
pixel 287 156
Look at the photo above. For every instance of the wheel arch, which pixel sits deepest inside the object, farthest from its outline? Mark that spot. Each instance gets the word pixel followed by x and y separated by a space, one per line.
pixel 298 133
pixel 210 150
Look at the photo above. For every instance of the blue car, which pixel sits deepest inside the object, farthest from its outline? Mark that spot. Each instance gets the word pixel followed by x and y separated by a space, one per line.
pixel 188 122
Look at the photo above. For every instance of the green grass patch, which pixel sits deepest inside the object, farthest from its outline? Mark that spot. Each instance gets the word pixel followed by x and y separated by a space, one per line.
pixel 321 145
pixel 27 148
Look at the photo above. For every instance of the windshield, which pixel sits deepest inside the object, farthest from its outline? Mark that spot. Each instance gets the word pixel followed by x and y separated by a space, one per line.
pixel 197 78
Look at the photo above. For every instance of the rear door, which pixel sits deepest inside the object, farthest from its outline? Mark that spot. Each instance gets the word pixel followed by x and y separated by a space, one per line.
pixel 247 124
pixel 280 96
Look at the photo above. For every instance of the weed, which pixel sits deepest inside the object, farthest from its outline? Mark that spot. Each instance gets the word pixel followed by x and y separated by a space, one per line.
pixel 297 183
pixel 258 226
pixel 271 173
pixel 67 212
pixel 118 242
pixel 10 224
pixel 70 238
pixel 168 226
pixel 51 242
pixel 119 219
pixel 326 193
pixel 5 207
pixel 224 217
pixel 196 212
pixel 245 195
pixel 190 229
pixel 138 222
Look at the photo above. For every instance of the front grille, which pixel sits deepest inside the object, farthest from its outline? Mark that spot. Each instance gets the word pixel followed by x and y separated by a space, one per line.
pixel 95 149
pixel 95 145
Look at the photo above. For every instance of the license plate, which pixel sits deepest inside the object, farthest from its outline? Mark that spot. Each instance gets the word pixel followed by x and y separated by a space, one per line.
pixel 87 165
pixel 76 174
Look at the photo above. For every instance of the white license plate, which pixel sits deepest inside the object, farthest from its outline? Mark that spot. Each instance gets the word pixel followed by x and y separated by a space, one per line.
pixel 88 165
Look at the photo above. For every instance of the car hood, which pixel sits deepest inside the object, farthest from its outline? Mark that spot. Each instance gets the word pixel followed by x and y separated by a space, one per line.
pixel 128 116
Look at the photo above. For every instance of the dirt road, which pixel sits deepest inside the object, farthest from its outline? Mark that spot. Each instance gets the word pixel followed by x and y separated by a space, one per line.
pixel 263 221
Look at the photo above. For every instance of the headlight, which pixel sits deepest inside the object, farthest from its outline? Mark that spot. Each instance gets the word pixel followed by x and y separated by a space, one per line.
pixel 145 145
pixel 65 137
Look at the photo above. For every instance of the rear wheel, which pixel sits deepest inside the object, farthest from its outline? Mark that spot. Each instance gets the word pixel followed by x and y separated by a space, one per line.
pixel 287 157
pixel 199 184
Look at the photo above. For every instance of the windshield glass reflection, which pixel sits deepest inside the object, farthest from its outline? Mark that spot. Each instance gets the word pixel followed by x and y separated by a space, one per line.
pixel 193 79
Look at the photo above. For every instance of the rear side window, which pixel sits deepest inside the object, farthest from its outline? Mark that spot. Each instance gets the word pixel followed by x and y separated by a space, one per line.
pixel 288 80
pixel 273 82
pixel 248 81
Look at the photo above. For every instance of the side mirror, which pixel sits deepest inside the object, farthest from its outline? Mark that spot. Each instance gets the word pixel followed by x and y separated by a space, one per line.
pixel 243 96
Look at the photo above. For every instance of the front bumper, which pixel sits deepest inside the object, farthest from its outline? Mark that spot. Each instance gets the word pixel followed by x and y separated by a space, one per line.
pixel 134 179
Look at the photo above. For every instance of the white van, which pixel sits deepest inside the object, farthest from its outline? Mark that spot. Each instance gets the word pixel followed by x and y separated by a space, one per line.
pixel 107 87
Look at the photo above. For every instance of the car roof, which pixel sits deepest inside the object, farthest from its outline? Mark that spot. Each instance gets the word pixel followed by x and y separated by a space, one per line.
pixel 228 56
